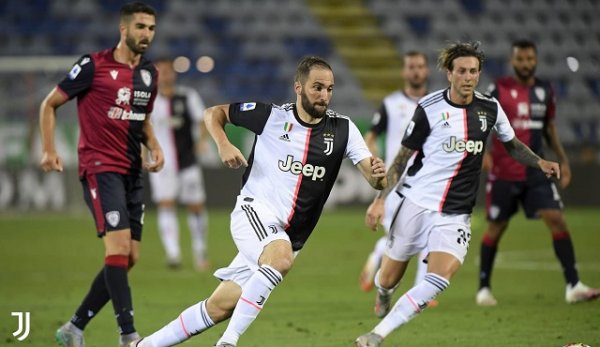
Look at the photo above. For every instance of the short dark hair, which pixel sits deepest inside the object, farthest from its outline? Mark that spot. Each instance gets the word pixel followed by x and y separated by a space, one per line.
pixel 306 64
pixel 416 54
pixel 457 50
pixel 524 43
pixel 130 8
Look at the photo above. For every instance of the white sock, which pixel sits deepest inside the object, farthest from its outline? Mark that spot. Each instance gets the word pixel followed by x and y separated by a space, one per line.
pixel 421 267
pixel 192 321
pixel 254 295
pixel 197 223
pixel 379 250
pixel 412 303
pixel 168 227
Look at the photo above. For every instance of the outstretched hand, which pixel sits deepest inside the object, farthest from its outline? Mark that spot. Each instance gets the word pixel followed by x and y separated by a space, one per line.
pixel 157 161
pixel 374 214
pixel 231 156
pixel 550 168
pixel 51 162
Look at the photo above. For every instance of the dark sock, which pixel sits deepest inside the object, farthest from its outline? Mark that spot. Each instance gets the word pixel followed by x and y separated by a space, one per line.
pixel 487 255
pixel 563 248
pixel 115 275
pixel 93 302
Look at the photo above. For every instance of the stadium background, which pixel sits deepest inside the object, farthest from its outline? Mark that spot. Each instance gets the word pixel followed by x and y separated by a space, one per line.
pixel 242 50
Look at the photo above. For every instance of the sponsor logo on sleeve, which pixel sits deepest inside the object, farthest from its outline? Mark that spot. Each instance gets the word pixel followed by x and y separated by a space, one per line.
pixel 146 77
pixel 247 106
pixel 410 128
pixel 75 70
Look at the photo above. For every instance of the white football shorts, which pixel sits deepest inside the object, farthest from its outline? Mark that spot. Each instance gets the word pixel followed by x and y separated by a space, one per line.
pixel 253 226
pixel 415 228
pixel 390 205
pixel 185 186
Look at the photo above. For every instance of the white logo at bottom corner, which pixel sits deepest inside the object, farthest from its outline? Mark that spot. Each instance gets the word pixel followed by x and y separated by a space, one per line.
pixel 113 218
pixel 24 325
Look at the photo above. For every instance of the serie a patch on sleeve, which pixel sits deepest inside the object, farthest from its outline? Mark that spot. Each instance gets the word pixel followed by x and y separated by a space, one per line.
pixel 247 106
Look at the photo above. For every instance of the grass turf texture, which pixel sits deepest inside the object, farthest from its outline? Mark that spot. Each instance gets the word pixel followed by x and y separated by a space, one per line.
pixel 48 261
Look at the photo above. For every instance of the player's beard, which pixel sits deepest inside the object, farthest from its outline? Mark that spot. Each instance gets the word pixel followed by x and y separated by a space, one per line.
pixel 525 73
pixel 135 47
pixel 310 108
pixel 416 83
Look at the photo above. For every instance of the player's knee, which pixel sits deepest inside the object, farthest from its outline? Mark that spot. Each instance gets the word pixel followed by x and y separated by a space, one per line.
pixel 495 230
pixel 283 264
pixel 118 243
pixel 219 310
pixel 120 248
pixel 278 255
pixel 196 208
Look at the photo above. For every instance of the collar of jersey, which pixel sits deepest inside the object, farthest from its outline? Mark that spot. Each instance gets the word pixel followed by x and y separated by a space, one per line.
pixel 447 98
pixel 303 123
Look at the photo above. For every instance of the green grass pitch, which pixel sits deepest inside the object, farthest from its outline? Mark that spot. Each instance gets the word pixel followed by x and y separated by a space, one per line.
pixel 47 263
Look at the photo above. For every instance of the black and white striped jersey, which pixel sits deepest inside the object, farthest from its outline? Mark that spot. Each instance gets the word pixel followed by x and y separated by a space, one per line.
pixel 450 141
pixel 176 123
pixel 392 118
pixel 293 165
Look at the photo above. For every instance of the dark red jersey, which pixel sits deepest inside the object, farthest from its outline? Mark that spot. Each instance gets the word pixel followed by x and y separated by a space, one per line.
pixel 528 109
pixel 113 100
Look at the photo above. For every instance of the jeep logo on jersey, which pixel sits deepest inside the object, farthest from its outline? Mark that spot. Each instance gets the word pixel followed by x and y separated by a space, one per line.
pixel 473 147
pixel 296 167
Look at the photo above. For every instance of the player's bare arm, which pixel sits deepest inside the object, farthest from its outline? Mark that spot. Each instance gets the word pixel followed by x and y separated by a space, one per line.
pixel 215 119
pixel 51 161
pixel 375 211
pixel 202 146
pixel 396 170
pixel 373 169
pixel 157 160
pixel 551 135
pixel 521 153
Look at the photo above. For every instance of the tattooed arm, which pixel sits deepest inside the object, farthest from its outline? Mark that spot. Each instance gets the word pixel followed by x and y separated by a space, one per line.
pixel 525 156
pixel 396 170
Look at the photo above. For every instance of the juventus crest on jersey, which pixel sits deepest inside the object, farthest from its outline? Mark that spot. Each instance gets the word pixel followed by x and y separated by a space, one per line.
pixel 450 140
pixel 298 160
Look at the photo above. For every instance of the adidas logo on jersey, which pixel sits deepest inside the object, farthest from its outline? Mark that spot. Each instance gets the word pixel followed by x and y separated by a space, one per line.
pixel 473 147
pixel 296 167
pixel 446 125
pixel 285 137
